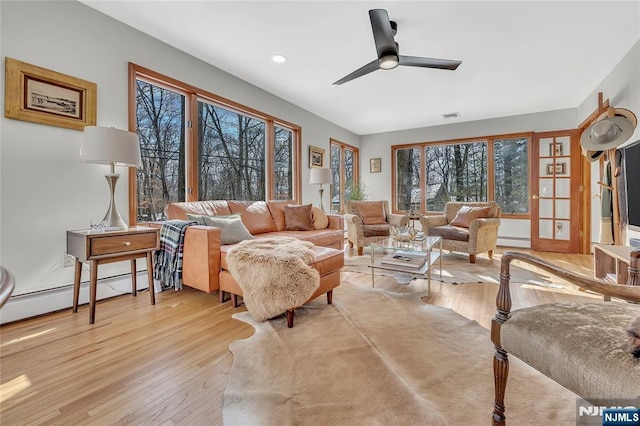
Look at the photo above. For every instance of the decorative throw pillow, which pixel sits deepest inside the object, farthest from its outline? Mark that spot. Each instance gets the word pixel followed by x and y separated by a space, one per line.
pixel 298 218
pixel 319 218
pixel 200 217
pixel 467 213
pixel 232 230
pixel 372 213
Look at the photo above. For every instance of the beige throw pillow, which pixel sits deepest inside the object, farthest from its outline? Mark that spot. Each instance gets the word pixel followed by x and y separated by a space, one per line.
pixel 466 214
pixel 319 218
pixel 371 213
pixel 298 218
pixel 232 230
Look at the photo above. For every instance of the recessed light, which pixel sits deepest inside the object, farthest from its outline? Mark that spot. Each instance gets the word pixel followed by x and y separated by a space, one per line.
pixel 279 59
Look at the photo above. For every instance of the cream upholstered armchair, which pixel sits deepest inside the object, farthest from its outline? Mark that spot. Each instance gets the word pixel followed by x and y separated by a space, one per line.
pixel 466 227
pixel 367 220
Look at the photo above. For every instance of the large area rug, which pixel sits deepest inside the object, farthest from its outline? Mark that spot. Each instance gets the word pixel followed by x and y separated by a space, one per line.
pixel 377 357
pixel 456 269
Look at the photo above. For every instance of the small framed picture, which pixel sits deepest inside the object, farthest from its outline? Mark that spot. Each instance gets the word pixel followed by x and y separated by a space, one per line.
pixel 375 165
pixel 555 149
pixel 316 157
pixel 558 169
pixel 43 96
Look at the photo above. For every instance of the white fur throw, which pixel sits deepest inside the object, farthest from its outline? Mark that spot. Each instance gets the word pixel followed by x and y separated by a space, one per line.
pixel 274 274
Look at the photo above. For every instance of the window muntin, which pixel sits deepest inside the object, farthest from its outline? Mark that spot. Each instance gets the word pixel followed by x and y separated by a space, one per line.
pixel 160 118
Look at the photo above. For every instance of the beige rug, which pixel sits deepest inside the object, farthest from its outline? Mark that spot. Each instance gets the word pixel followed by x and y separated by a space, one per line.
pixel 377 357
pixel 456 269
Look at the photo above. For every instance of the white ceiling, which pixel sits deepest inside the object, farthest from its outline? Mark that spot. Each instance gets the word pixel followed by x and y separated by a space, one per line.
pixel 517 57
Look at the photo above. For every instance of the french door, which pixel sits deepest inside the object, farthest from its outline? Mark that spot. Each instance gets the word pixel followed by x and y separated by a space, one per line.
pixel 556 192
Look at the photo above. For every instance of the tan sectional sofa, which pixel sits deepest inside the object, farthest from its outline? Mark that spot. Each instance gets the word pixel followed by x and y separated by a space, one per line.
pixel 203 261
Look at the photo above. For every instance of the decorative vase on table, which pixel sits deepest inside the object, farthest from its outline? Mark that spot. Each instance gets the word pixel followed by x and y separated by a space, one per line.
pixel 402 235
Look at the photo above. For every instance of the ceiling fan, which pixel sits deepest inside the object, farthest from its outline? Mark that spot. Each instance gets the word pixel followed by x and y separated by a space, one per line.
pixel 388 50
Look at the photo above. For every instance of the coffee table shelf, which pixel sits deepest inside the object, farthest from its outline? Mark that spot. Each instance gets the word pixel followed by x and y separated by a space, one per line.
pixel 387 245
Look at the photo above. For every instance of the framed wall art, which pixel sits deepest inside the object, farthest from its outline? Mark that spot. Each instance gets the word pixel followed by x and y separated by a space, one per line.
pixel 316 156
pixel 375 165
pixel 43 96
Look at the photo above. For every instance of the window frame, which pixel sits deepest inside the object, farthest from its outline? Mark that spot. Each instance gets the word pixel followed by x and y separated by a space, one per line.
pixel 356 167
pixel 490 168
pixel 193 96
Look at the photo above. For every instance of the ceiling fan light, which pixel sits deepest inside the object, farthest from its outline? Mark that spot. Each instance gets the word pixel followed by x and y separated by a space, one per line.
pixel 604 131
pixel 388 62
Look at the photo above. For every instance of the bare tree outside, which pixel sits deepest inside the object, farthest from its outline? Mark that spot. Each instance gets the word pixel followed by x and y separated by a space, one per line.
pixel 231 149
pixel 160 118
pixel 511 167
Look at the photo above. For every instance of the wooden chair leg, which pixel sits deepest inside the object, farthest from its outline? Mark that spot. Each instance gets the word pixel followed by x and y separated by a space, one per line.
pixel 234 300
pixel 350 244
pixel 360 251
pixel 490 254
pixel 223 296
pixel 290 313
pixel 330 297
pixel 472 258
pixel 500 374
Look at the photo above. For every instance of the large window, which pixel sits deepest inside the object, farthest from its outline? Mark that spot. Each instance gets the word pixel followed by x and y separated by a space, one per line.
pixel 429 175
pixel 344 171
pixel 220 150
pixel 160 118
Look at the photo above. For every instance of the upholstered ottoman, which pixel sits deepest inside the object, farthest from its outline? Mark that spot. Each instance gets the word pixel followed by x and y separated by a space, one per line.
pixel 327 261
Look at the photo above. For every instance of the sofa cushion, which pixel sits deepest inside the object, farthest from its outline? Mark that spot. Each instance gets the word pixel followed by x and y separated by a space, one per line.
pixel 255 215
pixel 380 230
pixel 448 232
pixel 276 207
pixel 467 213
pixel 320 219
pixel 371 212
pixel 298 218
pixel 207 208
pixel 232 230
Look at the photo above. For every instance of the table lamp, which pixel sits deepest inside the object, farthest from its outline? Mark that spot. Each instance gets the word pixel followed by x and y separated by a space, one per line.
pixel 320 176
pixel 107 145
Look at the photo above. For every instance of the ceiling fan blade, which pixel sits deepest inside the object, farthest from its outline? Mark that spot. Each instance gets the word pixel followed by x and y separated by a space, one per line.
pixel 382 33
pixel 416 61
pixel 370 67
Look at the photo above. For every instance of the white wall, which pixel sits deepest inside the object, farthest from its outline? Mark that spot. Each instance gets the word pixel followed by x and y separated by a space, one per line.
pixel 515 233
pixel 622 88
pixel 45 189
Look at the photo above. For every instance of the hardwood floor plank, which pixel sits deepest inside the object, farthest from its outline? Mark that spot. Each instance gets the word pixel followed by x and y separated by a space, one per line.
pixel 168 363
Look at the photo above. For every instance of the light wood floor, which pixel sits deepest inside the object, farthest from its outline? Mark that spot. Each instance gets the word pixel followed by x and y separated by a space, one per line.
pixel 168 364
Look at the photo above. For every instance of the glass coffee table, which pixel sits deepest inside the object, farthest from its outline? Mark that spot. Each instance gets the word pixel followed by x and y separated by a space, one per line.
pixel 400 252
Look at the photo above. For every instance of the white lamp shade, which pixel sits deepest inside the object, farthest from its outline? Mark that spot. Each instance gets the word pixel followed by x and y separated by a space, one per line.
pixel 320 176
pixel 107 145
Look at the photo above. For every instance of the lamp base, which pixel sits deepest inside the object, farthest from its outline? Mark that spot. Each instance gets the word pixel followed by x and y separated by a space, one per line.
pixel 114 220
pixel 321 190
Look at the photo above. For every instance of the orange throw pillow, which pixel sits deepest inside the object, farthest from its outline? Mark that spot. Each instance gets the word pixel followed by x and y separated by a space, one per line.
pixel 372 213
pixel 466 214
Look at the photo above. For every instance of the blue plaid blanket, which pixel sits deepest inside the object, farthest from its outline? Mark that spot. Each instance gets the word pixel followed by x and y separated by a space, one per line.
pixel 167 271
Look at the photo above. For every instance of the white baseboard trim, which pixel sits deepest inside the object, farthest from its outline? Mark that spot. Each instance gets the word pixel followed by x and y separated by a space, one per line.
pixel 46 301
pixel 514 242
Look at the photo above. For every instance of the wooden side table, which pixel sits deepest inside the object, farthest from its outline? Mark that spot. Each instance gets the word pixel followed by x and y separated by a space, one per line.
pixel 96 248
